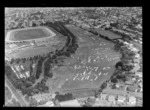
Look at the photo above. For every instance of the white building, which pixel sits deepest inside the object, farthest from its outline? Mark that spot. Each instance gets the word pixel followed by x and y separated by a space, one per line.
pixel 17 68
pixel 27 73
pixel 103 96
pixel 121 99
pixel 48 104
pixel 22 67
pixel 132 100
pixel 111 98
pixel 22 75
pixel 71 103
pixel 12 45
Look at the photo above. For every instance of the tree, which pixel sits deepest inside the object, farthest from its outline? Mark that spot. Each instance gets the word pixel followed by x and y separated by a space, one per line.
pixel 122 77
pixel 104 85
pixel 33 102
pixel 113 86
pixel 117 47
pixel 12 61
pixel 127 67
pixel 114 80
pixel 57 93
pixel 31 79
pixel 119 65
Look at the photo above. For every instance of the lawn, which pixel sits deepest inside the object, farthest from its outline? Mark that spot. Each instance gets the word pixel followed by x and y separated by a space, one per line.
pixel 30 52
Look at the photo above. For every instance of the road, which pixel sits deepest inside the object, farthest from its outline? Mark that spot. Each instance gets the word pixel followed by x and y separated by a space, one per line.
pixel 23 103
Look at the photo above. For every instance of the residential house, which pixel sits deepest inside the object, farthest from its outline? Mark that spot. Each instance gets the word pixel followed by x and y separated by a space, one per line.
pixel 131 101
pixel 71 103
pixel 131 88
pixel 103 96
pixel 112 98
pixel 121 99
pixel 48 104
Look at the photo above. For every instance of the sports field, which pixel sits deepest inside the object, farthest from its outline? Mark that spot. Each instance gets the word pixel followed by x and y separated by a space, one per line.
pixel 29 33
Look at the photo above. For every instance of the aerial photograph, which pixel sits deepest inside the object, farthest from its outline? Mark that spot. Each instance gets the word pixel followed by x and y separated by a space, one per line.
pixel 73 57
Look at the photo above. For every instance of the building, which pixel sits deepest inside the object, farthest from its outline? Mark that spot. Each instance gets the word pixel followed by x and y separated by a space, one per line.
pixel 139 74
pixel 27 73
pixel 17 68
pixel 22 67
pixel 121 99
pixel 112 98
pixel 48 104
pixel 103 96
pixel 131 88
pixel 131 101
pixel 71 103
pixel 12 45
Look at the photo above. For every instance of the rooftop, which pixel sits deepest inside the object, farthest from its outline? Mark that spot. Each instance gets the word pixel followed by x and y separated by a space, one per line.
pixel 71 103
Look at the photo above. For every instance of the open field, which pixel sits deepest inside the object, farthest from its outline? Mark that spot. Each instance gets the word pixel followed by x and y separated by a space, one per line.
pixel 17 45
pixel 34 50
pixel 63 80
pixel 29 33
pixel 30 52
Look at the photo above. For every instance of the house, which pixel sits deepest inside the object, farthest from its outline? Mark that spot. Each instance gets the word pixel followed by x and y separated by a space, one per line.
pixel 121 99
pixel 71 103
pixel 27 73
pixel 48 104
pixel 131 88
pixel 22 67
pixel 103 96
pixel 17 68
pixel 112 98
pixel 139 74
pixel 131 101
pixel 12 45
pixel 129 82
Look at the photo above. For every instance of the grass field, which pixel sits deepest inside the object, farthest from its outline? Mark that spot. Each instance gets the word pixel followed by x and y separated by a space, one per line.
pixel 29 34
pixel 30 52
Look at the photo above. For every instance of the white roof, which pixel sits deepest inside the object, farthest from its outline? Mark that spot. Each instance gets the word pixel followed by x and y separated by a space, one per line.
pixel 111 98
pixel 48 104
pixel 121 98
pixel 132 100
pixel 71 103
